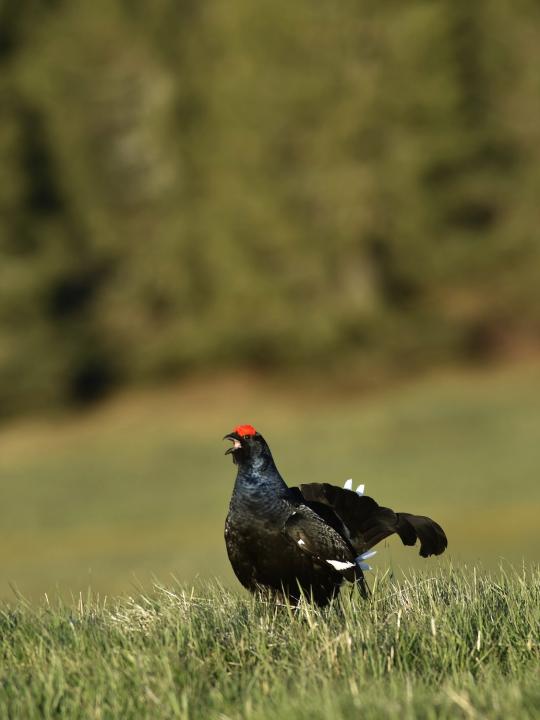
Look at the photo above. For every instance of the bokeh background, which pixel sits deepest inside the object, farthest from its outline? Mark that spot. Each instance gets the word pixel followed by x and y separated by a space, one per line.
pixel 319 218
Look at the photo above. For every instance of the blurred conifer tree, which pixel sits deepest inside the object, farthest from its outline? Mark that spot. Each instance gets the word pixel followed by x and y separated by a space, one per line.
pixel 209 183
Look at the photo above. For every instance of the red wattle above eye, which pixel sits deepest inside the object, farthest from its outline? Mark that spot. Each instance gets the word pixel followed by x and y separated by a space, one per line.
pixel 243 430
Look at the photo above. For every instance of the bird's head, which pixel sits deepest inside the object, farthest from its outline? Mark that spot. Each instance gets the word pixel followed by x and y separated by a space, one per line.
pixel 248 446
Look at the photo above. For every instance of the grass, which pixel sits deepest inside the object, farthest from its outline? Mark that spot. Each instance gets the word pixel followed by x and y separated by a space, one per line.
pixel 456 644
pixel 139 487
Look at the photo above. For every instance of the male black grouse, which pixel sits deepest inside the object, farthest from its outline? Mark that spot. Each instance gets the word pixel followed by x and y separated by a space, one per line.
pixel 292 540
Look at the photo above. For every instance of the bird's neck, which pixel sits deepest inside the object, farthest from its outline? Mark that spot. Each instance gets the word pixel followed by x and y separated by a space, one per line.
pixel 260 478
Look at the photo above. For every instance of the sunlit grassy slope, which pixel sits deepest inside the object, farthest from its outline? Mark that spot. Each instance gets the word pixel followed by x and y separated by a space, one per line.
pixel 140 487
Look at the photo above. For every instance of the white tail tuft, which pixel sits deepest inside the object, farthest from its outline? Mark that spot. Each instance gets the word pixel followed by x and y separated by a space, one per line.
pixel 348 484
pixel 360 490
pixel 361 559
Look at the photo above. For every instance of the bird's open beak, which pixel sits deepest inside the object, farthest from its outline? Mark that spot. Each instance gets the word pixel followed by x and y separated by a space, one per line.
pixel 235 442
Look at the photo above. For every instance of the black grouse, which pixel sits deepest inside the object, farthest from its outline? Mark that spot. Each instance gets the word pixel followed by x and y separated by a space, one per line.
pixel 306 540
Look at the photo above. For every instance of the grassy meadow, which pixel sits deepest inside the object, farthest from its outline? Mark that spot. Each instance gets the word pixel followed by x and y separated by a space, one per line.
pixel 112 542
pixel 138 489
pixel 454 645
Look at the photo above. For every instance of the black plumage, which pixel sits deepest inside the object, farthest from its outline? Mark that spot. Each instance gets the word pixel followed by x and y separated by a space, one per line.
pixel 307 539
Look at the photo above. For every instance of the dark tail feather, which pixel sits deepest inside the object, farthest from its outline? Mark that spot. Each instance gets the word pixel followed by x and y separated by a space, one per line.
pixel 365 523
pixel 431 535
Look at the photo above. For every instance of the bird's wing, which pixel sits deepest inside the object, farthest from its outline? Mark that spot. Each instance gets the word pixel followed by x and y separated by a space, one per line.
pixel 313 536
pixel 365 523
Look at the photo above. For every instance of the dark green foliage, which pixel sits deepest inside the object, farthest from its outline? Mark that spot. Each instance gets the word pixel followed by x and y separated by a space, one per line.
pixel 211 183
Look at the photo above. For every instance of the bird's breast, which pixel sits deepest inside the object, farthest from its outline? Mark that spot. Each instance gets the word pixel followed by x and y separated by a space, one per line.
pixel 258 509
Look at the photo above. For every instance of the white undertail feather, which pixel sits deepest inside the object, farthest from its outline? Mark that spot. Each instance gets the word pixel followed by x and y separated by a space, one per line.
pixel 340 565
pixel 361 559
pixel 301 542
pixel 359 490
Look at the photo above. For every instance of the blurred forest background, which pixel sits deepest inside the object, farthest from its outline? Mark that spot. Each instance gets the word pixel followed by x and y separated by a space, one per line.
pixel 219 212
pixel 207 184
